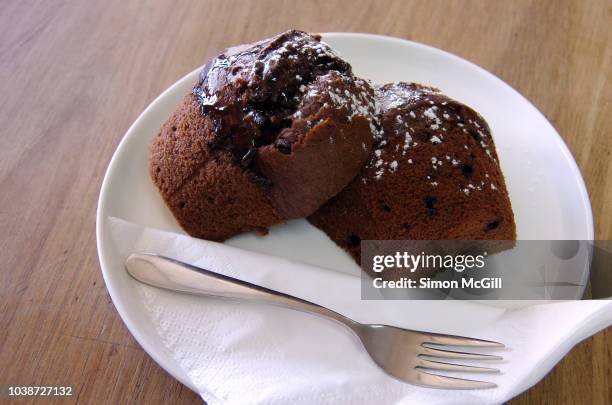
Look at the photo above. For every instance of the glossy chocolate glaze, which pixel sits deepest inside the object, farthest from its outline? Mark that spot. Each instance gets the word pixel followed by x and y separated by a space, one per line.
pixel 251 93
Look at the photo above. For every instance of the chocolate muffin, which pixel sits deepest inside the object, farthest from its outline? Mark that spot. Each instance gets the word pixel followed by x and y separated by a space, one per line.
pixel 270 132
pixel 434 175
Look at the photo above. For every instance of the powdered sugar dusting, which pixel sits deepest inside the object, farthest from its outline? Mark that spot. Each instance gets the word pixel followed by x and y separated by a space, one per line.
pixel 402 136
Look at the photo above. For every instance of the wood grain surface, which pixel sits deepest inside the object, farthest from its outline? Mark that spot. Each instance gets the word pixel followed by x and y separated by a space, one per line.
pixel 75 74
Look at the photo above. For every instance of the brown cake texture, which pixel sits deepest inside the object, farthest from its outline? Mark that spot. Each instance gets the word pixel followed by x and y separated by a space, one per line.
pixel 270 132
pixel 434 175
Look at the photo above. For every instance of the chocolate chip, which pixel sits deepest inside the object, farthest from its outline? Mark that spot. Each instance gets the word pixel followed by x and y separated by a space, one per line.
pixel 354 240
pixel 467 170
pixel 263 182
pixel 429 204
pixel 283 145
pixel 491 225
pixel 259 119
pixel 386 208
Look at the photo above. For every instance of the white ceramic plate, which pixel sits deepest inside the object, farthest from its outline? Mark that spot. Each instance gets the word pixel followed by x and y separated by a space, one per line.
pixel 548 194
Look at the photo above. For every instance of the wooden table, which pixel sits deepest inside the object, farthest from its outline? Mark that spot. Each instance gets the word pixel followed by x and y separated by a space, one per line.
pixel 74 75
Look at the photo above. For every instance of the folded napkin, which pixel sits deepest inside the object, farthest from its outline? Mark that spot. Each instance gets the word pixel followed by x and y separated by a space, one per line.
pixel 246 353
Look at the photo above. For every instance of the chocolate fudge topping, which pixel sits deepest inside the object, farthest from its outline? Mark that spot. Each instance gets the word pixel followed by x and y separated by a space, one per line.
pixel 250 95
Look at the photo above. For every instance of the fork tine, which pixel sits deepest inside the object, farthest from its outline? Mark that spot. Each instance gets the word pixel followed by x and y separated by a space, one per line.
pixel 438 365
pixel 450 354
pixel 440 381
pixel 441 339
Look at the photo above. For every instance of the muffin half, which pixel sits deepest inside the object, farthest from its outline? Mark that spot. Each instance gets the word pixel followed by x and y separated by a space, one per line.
pixel 435 175
pixel 270 132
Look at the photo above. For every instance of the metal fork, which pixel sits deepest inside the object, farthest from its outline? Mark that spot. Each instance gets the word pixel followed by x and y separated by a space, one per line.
pixel 407 355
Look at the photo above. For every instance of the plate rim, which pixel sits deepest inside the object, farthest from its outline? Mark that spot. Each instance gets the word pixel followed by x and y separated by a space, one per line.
pixel 101 231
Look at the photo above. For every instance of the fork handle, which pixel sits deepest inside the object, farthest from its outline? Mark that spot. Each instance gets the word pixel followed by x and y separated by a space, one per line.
pixel 170 274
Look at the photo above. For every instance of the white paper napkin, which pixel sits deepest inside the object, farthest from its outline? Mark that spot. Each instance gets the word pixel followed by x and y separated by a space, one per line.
pixel 245 353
